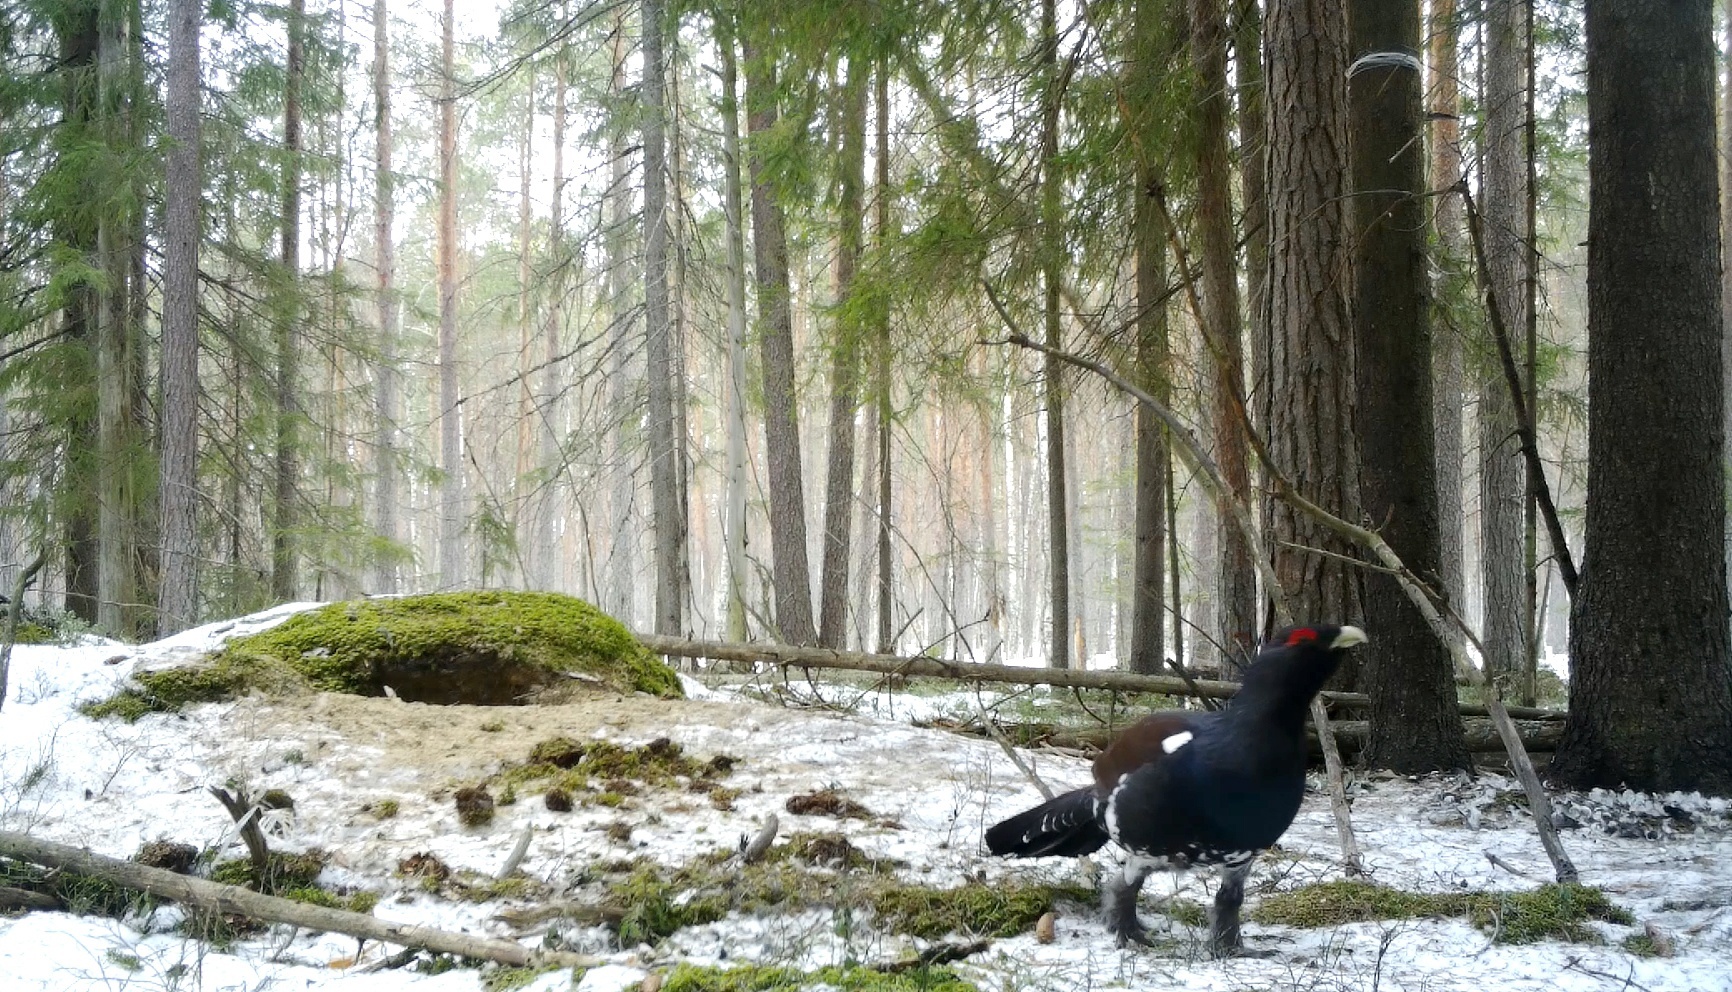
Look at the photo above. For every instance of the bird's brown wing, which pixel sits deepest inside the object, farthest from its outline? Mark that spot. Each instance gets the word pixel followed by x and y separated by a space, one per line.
pixel 1139 745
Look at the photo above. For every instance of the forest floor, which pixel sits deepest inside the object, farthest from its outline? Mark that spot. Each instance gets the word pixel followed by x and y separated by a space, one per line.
pixel 372 782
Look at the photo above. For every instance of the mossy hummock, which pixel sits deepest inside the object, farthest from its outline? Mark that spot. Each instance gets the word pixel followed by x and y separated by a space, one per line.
pixel 477 648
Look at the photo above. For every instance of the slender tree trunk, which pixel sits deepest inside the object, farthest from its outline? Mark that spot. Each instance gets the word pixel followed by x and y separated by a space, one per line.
pixel 781 424
pixel 1409 676
pixel 1528 684
pixel 845 364
pixel 547 552
pixel 1052 374
pixel 1312 422
pixel 1651 682
pixel 1236 579
pixel 1148 602
pixel 77 29
pixel 886 411
pixel 1446 343
pixel 735 529
pixel 177 604
pixel 385 484
pixel 1504 631
pixel 450 414
pixel 664 469
pixel 116 429
pixel 622 391
pixel 1253 194
pixel 287 322
pixel 526 339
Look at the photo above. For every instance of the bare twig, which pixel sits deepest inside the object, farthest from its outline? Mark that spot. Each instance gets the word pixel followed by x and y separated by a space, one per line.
pixel 1506 866
pixel 992 731
pixel 518 851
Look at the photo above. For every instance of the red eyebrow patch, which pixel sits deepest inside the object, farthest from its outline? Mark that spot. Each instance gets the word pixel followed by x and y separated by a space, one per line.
pixel 1301 635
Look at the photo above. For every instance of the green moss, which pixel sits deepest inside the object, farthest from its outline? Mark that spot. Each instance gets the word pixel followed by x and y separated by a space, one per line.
pixel 653 907
pixel 170 689
pixel 127 962
pixel 1550 911
pixel 33 633
pixel 361 646
pixel 384 809
pixel 476 887
pixel 1187 912
pixel 760 978
pixel 562 764
pixel 359 902
pixel 511 979
pixel 1002 910
pixel 283 872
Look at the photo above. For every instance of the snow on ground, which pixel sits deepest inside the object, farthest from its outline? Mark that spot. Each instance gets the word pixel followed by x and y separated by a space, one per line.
pixel 111 787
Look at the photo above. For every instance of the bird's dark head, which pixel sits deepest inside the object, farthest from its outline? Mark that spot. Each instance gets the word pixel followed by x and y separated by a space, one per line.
pixel 1292 666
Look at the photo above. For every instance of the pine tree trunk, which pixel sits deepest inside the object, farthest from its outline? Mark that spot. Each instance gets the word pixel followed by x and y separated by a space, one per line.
pixel 387 473
pixel 781 423
pixel 1651 682
pixel 1148 592
pixel 1504 630
pixel 664 469
pixel 1726 271
pixel 1052 259
pixel 1446 344
pixel 735 530
pixel 177 603
pixel 525 513
pixel 286 318
pixel 1312 423
pixel 547 554
pixel 1236 580
pixel 845 364
pixel 451 512
pixel 1409 676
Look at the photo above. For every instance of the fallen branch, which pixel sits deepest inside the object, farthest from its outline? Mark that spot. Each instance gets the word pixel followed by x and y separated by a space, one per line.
pixel 992 731
pixel 789 656
pixel 11 898
pixel 1481 736
pixel 246 816
pixel 751 853
pixel 518 851
pixel 14 614
pixel 236 901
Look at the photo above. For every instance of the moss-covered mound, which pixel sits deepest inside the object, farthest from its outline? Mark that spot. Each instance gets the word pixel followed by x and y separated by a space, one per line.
pixel 1558 912
pixel 478 648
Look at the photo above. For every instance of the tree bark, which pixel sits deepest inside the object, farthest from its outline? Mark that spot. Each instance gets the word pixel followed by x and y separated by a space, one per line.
pixel 1235 576
pixel 1504 628
pixel 1052 259
pixel 451 512
pixel 287 322
pixel 886 410
pixel 734 533
pixel 622 380
pixel 1253 186
pixel 1148 587
pixel 1651 685
pixel 177 602
pixel 550 560
pixel 668 524
pixel 117 429
pixel 845 362
pixel 1446 342
pixel 1414 724
pixel 1311 368
pixel 387 472
pixel 1725 270
pixel 792 577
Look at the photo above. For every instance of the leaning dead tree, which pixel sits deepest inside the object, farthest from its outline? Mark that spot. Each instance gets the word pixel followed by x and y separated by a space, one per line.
pixel 236 901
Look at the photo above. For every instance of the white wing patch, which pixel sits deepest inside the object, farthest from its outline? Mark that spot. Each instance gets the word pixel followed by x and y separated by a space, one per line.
pixel 1176 741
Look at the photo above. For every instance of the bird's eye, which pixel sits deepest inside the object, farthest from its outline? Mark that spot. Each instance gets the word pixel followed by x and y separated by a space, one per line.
pixel 1301 635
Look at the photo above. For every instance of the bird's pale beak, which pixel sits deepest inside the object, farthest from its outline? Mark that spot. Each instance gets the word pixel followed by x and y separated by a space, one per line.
pixel 1348 637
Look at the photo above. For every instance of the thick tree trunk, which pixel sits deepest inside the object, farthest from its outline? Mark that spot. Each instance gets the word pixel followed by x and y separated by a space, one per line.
pixel 668 523
pixel 781 422
pixel 734 532
pixel 1409 677
pixel 1651 685
pixel 1312 422
pixel 1148 592
pixel 1501 465
pixel 77 30
pixel 1726 270
pixel 387 472
pixel 844 364
pixel 286 320
pixel 451 511
pixel 1446 343
pixel 1236 577
pixel 177 603
pixel 1052 260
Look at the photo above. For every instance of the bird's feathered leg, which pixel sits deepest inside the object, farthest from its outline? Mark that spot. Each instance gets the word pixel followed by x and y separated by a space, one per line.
pixel 1119 900
pixel 1224 938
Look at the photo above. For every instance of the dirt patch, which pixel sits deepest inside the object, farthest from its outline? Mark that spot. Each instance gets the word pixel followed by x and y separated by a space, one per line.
pixel 828 802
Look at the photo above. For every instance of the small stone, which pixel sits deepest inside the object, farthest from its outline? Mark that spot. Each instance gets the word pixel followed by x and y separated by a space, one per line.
pixel 1045 927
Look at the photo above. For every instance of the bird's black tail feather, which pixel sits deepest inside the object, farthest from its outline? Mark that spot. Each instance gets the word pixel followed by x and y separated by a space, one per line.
pixel 1064 827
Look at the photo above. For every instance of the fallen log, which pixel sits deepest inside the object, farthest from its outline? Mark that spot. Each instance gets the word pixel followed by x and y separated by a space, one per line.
pixel 1482 736
pixel 236 901
pixel 788 656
